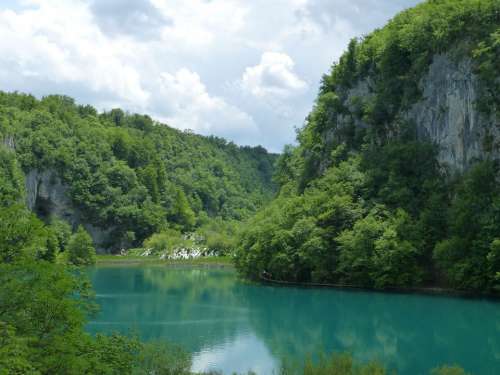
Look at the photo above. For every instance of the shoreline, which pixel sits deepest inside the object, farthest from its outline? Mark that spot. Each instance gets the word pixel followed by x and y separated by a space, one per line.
pixel 225 261
pixel 118 260
pixel 430 291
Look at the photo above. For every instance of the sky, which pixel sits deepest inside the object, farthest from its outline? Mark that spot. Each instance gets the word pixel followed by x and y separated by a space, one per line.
pixel 245 70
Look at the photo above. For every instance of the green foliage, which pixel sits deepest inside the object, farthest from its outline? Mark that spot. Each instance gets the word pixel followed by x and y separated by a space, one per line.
pixel 62 231
pixel 396 256
pixel 487 56
pixel 114 354
pixel 166 241
pixel 469 257
pixel 14 353
pixel 219 235
pixel 363 200
pixel 331 234
pixel 391 61
pixel 36 299
pixel 11 178
pixel 385 218
pixel 294 238
pixel 402 173
pixel 22 235
pixel 342 365
pixel 449 370
pixel 377 252
pixel 127 173
pixel 80 248
pixel 162 359
pixel 181 212
pixel 493 259
pixel 43 308
pixel 357 249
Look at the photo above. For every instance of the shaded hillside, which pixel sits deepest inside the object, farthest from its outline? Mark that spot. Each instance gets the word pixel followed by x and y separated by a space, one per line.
pixel 125 176
pixel 395 178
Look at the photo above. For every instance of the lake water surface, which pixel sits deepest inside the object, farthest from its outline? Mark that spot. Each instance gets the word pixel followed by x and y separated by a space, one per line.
pixel 230 325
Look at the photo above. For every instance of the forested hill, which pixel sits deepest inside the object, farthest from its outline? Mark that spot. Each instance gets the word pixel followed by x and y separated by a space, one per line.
pixel 395 180
pixel 124 176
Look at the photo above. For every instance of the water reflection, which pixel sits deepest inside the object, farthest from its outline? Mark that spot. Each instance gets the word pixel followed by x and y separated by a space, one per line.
pixel 407 332
pixel 236 326
pixel 192 307
pixel 245 352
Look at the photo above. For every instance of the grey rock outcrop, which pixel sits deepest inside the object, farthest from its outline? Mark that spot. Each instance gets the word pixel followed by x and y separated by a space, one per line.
pixel 47 196
pixel 448 116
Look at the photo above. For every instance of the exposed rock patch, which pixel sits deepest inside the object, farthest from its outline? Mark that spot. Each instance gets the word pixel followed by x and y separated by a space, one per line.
pixel 447 114
pixel 47 196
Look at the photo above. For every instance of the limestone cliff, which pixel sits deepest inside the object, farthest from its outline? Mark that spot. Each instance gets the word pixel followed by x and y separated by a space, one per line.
pixel 445 114
pixel 448 115
pixel 47 196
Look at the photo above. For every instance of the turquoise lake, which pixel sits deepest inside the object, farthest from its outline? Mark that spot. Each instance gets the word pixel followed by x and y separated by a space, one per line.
pixel 231 325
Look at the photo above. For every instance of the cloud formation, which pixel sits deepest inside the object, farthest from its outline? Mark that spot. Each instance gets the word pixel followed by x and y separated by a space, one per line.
pixel 135 18
pixel 189 104
pixel 274 76
pixel 248 71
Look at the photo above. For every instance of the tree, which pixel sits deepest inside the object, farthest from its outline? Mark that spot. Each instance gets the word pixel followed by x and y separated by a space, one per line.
pixel 181 212
pixel 22 235
pixel 62 231
pixel 493 258
pixel 357 247
pixel 468 258
pixel 14 353
pixel 37 302
pixel 395 260
pixel 379 251
pixel 80 248
pixel 163 359
pixel 11 178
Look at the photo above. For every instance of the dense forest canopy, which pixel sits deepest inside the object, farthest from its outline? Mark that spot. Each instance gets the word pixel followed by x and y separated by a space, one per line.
pixel 363 200
pixel 131 175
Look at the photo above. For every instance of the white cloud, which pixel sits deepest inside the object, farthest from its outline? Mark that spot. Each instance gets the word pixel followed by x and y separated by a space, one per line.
pixel 274 76
pixel 358 13
pixel 57 43
pixel 198 24
pixel 178 60
pixel 135 18
pixel 190 106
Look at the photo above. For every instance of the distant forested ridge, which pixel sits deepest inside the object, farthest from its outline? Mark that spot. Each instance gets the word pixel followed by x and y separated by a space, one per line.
pixel 395 180
pixel 124 176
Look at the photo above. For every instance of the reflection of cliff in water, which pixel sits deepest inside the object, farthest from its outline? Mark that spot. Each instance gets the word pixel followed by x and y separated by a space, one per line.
pixel 412 333
pixel 195 308
pixel 213 314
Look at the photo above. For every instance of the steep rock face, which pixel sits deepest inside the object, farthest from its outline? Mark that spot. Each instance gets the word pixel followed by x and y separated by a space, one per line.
pixel 448 116
pixel 47 196
pixel 446 113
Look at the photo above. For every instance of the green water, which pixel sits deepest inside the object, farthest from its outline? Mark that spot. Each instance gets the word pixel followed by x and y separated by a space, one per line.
pixel 231 325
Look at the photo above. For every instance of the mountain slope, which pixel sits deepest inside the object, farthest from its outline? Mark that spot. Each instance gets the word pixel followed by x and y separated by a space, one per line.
pixel 125 176
pixel 395 178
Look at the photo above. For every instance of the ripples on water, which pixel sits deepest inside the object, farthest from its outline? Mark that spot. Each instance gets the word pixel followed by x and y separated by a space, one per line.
pixel 231 326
